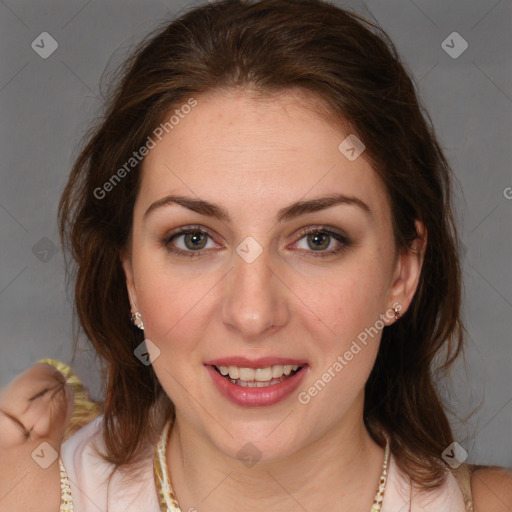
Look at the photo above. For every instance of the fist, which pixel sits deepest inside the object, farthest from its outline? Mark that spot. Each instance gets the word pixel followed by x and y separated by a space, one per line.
pixel 36 404
pixel 35 407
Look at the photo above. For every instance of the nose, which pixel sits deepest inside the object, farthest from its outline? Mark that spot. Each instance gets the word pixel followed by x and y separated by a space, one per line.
pixel 254 298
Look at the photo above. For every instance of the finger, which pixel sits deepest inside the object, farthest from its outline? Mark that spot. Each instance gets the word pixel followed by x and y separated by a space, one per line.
pixel 27 385
pixel 12 431
pixel 37 404
pixel 49 414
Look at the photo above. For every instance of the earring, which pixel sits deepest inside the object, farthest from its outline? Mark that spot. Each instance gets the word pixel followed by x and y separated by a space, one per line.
pixel 397 313
pixel 136 318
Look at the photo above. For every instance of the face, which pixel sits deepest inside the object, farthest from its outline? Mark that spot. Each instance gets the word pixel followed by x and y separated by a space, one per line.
pixel 254 277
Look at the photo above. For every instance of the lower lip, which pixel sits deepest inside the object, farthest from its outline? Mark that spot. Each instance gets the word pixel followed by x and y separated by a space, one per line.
pixel 256 397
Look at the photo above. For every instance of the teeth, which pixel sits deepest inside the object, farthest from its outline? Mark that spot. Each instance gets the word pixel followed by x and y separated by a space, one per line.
pixel 277 371
pixel 233 372
pixel 257 374
pixel 256 384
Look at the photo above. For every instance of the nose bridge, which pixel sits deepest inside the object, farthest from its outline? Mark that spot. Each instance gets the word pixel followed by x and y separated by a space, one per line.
pixel 253 300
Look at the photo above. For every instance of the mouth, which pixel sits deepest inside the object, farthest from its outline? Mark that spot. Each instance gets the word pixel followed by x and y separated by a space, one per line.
pixel 257 383
pixel 258 377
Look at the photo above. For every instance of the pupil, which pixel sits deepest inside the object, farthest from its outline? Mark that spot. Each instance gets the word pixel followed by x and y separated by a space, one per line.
pixel 316 237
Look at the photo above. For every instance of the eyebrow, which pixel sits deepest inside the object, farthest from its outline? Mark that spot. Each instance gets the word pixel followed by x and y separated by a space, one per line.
pixel 284 214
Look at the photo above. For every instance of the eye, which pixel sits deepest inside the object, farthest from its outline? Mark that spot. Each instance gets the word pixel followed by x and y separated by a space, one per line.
pixel 189 241
pixel 319 239
pixel 192 241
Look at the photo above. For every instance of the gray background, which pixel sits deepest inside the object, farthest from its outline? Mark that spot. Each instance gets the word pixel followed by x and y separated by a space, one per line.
pixel 47 104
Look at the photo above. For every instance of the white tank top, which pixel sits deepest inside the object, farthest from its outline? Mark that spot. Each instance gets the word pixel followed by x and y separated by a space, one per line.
pixel 91 492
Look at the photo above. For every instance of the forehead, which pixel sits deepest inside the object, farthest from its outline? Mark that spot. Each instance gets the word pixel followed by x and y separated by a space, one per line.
pixel 266 152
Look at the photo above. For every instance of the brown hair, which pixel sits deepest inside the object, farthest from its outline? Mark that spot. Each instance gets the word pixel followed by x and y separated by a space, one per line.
pixel 272 46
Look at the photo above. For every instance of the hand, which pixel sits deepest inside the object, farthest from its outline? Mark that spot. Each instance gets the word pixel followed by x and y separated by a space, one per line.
pixel 35 407
pixel 37 404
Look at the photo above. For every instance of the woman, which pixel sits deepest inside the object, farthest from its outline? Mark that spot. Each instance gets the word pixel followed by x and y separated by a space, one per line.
pixel 267 202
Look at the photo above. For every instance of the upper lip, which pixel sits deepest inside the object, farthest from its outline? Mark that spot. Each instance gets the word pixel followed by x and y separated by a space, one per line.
pixel 262 362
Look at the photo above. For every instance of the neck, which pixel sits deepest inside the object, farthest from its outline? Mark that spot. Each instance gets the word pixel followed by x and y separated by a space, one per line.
pixel 338 471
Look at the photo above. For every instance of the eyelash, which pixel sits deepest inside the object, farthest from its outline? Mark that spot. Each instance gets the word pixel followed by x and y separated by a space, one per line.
pixel 344 241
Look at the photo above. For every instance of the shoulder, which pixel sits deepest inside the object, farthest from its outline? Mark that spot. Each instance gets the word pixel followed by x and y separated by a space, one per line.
pixel 84 466
pixel 96 484
pixel 492 489
pixel 84 446
pixel 89 438
pixel 402 493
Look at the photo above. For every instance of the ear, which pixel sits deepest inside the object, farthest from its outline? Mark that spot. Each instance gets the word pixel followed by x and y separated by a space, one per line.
pixel 126 262
pixel 408 270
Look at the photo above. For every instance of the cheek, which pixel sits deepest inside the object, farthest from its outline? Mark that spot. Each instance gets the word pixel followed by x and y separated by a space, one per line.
pixel 163 294
pixel 347 330
pixel 171 309
pixel 173 315
pixel 347 300
pixel 346 336
pixel 174 305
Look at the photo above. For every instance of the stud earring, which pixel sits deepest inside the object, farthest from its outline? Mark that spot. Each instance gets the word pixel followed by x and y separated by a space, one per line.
pixel 397 313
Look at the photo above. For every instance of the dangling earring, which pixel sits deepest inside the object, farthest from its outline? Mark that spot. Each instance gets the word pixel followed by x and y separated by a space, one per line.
pixel 135 317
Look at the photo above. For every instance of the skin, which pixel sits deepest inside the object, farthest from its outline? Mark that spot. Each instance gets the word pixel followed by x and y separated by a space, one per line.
pixel 254 158
pixel 492 489
pixel 30 416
